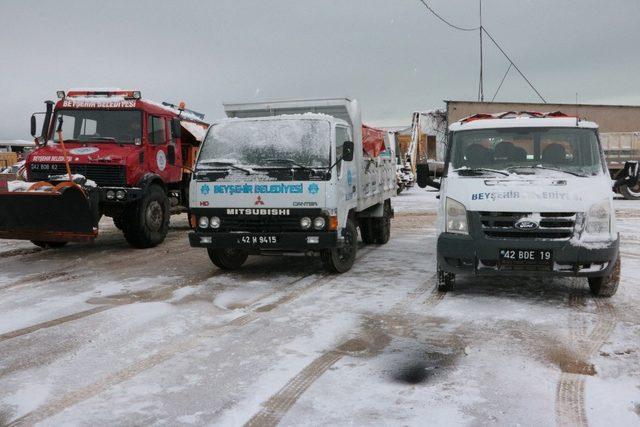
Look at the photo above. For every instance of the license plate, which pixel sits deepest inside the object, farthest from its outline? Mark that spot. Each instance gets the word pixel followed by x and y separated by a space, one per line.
pixel 526 256
pixel 258 240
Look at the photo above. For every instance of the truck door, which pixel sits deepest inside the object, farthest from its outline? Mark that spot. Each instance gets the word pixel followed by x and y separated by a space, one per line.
pixel 158 152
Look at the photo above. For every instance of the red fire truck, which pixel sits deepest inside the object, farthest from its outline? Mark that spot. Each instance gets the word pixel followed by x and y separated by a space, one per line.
pixel 103 152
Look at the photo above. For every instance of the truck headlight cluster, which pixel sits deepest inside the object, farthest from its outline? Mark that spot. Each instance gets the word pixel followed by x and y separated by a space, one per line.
pixel 319 223
pixel 116 194
pixel 455 217
pixel 206 222
pixel 598 220
pixel 305 223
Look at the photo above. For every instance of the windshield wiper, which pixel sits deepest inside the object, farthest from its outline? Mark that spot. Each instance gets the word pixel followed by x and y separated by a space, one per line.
pixel 223 163
pixel 103 138
pixel 291 162
pixel 547 168
pixel 461 171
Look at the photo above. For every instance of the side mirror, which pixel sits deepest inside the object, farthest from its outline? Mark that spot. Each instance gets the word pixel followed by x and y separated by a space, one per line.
pixel 34 125
pixel 424 178
pixel 176 129
pixel 347 151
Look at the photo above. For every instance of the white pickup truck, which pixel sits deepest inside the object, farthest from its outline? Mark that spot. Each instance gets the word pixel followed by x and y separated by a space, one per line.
pixel 527 194
pixel 291 178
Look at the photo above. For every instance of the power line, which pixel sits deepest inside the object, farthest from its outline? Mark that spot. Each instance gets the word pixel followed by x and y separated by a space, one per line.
pixel 514 65
pixel 445 21
pixel 502 81
pixel 483 29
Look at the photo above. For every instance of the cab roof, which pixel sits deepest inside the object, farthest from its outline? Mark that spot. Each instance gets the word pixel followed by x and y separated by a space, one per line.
pixel 522 119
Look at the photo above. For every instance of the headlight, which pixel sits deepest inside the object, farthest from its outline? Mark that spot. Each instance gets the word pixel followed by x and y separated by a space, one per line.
pixel 120 194
pixel 214 222
pixel 203 222
pixel 111 194
pixel 319 223
pixel 455 217
pixel 305 223
pixel 598 222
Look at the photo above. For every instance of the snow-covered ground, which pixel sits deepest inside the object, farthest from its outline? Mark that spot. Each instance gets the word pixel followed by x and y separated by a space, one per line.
pixel 103 334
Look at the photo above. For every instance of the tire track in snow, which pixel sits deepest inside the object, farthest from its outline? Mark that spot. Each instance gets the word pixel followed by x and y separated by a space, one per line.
pixel 570 396
pixel 166 353
pixel 276 407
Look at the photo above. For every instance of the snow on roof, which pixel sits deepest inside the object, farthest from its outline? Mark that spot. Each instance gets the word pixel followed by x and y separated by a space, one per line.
pixel 195 129
pixel 522 122
pixel 16 143
pixel 302 116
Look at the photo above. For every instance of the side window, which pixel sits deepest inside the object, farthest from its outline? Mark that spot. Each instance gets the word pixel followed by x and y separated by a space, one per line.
pixel 342 135
pixel 156 130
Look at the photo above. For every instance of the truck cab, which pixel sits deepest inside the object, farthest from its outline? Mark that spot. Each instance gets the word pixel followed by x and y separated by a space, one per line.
pixel 124 156
pixel 526 194
pixel 295 183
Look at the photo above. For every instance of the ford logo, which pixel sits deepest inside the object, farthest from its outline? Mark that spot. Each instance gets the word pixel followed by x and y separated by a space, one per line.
pixel 526 224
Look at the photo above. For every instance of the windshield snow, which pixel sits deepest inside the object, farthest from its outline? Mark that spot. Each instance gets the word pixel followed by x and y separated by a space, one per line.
pixel 527 150
pixel 269 143
pixel 122 126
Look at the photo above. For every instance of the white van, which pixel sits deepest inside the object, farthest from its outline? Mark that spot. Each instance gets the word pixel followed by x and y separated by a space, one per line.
pixel 526 194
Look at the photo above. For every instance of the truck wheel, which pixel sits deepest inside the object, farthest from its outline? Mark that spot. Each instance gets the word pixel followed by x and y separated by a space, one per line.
pixel 630 193
pixel 340 260
pixel 227 259
pixel 147 222
pixel 383 225
pixel 119 222
pixel 606 286
pixel 48 245
pixel 367 231
pixel 446 280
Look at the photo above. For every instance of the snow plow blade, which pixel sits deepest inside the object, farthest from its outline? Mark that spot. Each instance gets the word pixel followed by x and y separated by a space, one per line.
pixel 63 215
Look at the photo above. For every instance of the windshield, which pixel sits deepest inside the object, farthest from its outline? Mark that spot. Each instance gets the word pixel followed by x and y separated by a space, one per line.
pixel 282 143
pixel 527 150
pixel 122 126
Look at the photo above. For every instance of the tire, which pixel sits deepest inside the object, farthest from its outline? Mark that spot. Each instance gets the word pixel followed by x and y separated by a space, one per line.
pixel 146 223
pixel 383 225
pixel 48 245
pixel 340 260
pixel 119 222
pixel 367 231
pixel 446 280
pixel 630 193
pixel 227 259
pixel 606 286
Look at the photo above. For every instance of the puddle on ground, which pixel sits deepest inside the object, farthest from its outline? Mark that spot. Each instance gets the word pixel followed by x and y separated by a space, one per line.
pixel 424 366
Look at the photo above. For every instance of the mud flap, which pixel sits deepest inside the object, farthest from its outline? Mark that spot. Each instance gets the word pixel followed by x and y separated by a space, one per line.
pixel 66 215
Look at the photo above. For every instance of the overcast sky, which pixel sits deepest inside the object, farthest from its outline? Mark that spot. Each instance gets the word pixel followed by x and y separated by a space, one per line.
pixel 391 55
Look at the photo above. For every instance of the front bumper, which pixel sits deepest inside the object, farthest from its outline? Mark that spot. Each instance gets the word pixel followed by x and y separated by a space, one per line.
pixel 462 254
pixel 286 241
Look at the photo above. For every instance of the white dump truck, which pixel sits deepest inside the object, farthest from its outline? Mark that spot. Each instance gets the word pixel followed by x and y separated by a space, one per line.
pixel 292 178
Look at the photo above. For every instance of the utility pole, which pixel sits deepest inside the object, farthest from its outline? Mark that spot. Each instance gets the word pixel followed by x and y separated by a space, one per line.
pixel 481 87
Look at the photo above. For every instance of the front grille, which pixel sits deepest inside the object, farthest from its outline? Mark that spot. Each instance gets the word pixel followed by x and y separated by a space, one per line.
pixel 552 225
pixel 103 175
pixel 260 224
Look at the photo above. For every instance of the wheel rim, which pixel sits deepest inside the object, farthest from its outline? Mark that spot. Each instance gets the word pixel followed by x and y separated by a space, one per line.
pixel 154 216
pixel 635 190
pixel 232 253
pixel 344 253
